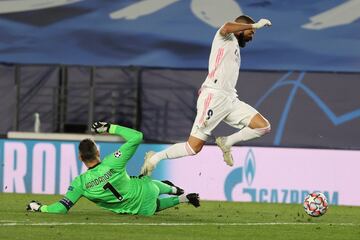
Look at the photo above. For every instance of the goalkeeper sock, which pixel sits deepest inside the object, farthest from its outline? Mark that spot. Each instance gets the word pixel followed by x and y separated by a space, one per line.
pixel 164 188
pixel 174 151
pixel 246 134
pixel 183 198
pixel 164 203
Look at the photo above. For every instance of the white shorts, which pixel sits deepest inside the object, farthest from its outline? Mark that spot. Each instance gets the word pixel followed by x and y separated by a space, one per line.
pixel 214 106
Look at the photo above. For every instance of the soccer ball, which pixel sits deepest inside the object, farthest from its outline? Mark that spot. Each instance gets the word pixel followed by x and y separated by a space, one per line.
pixel 315 204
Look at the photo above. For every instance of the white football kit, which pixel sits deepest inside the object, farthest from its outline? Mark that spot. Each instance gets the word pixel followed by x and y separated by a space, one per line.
pixel 217 99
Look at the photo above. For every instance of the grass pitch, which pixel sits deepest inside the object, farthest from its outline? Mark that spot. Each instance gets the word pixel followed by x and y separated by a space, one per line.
pixel 213 220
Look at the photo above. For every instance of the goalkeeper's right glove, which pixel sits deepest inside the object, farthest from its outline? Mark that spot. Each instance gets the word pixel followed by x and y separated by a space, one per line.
pixel 34 206
pixel 100 127
pixel 262 23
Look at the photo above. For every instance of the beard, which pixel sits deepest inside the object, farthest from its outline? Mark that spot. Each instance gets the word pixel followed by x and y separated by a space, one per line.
pixel 241 40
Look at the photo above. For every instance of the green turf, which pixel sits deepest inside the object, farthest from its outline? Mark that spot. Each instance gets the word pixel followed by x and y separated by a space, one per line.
pixel 213 220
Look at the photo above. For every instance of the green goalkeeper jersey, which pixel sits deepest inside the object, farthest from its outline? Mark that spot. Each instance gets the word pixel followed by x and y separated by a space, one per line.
pixel 108 185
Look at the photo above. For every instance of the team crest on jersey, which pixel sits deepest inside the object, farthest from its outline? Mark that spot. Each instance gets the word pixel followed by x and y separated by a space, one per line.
pixel 117 154
pixel 70 188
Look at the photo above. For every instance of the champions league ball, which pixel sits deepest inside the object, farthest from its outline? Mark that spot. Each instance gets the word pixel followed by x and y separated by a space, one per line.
pixel 315 204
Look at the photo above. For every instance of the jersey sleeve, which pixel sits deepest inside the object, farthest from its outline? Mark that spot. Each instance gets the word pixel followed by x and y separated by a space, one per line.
pixel 133 138
pixel 73 194
pixel 222 38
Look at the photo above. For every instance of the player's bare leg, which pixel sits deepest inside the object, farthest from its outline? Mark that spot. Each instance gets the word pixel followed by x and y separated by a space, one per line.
pixel 196 143
pixel 257 127
pixel 259 122
pixel 191 147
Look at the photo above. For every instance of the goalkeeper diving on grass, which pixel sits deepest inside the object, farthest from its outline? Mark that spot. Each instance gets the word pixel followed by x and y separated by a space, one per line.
pixel 108 185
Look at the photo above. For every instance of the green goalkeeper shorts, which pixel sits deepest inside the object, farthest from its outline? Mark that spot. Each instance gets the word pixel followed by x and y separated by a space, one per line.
pixel 149 198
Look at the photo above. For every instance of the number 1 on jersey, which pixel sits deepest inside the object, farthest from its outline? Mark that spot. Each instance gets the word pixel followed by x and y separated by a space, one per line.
pixel 113 190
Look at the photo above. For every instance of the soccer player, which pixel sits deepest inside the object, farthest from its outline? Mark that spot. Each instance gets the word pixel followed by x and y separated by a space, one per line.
pixel 218 100
pixel 108 185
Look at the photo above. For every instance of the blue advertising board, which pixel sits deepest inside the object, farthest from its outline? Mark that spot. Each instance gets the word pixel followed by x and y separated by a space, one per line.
pixel 48 167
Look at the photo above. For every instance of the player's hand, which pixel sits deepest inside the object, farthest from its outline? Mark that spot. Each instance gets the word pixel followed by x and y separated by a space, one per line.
pixel 34 206
pixel 100 127
pixel 262 23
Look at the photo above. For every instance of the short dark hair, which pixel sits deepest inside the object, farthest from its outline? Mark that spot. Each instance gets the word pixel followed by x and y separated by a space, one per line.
pixel 245 18
pixel 87 149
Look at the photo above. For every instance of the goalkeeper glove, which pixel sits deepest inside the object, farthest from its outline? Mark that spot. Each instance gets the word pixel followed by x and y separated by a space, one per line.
pixel 34 206
pixel 100 127
pixel 262 23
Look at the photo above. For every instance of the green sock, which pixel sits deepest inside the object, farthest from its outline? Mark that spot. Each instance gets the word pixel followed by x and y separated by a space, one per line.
pixel 164 203
pixel 164 188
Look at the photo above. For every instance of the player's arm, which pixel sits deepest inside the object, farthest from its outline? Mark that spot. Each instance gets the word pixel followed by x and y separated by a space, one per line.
pixel 233 27
pixel 132 138
pixel 63 206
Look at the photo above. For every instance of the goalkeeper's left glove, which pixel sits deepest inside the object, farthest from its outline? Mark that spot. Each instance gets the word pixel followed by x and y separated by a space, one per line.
pixel 34 206
pixel 100 127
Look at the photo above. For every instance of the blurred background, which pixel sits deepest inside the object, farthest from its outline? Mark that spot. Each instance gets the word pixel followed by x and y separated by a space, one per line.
pixel 140 63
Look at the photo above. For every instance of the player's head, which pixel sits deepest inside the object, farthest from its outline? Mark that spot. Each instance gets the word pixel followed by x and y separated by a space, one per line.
pixel 88 151
pixel 244 36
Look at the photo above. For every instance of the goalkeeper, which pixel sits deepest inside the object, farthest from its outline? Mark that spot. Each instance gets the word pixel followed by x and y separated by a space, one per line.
pixel 108 185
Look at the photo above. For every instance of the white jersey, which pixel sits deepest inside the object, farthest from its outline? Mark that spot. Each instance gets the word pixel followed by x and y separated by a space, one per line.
pixel 224 63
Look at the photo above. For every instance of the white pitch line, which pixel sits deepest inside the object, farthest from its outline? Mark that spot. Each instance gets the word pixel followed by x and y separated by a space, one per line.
pixel 7 221
pixel 13 223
